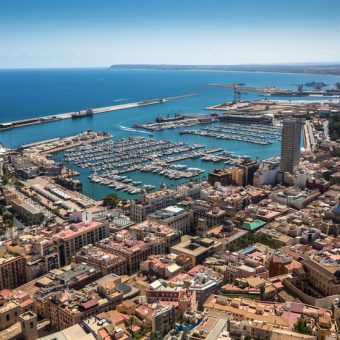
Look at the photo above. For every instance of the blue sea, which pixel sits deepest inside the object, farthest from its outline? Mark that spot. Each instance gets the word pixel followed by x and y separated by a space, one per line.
pixel 33 93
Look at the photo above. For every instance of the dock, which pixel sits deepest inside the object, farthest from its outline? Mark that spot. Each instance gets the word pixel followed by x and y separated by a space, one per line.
pixel 56 117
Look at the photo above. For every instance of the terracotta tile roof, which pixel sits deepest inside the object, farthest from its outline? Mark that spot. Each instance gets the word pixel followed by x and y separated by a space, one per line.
pixel 89 304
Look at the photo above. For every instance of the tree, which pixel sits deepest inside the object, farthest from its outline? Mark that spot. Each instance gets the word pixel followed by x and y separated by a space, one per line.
pixel 5 179
pixel 302 327
pixel 2 228
pixel 111 200
pixel 56 211
pixel 8 219
pixel 18 185
pixel 334 127
pixel 156 336
pixel 2 210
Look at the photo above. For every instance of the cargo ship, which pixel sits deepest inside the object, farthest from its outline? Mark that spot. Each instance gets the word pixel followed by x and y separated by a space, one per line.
pixel 80 114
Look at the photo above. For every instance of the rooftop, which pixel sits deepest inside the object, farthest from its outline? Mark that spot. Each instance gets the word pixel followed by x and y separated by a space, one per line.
pixel 77 229
pixel 254 225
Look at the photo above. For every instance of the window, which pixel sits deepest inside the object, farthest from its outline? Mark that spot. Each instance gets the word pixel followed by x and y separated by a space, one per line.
pixel 7 317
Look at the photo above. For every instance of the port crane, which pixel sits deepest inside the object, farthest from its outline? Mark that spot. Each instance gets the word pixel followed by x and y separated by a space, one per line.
pixel 237 92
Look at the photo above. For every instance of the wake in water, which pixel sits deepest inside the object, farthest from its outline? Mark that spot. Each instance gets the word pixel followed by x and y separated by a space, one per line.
pixel 121 99
pixel 131 129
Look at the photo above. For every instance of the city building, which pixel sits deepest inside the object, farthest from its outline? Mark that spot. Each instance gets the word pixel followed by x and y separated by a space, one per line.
pixel 222 176
pixel 40 252
pixel 229 198
pixel 267 320
pixel 75 236
pixel 12 269
pixel 174 217
pixel 163 266
pixel 73 276
pixel 294 197
pixel 202 210
pixel 70 307
pixel 249 168
pixel 133 249
pixel 196 248
pixel 160 318
pixel 74 332
pixel 103 260
pixel 267 173
pixel 290 145
pixel 12 305
pixel 149 203
pixel 29 212
pixel 170 236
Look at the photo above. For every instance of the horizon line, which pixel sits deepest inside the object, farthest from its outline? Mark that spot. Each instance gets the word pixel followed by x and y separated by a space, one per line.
pixel 306 64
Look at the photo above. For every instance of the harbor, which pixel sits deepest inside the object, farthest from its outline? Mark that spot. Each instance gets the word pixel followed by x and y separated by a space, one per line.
pixel 113 163
pixel 168 122
pixel 315 89
pixel 332 90
pixel 89 112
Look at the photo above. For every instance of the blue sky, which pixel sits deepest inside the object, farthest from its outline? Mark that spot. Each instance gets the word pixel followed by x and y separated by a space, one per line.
pixel 92 33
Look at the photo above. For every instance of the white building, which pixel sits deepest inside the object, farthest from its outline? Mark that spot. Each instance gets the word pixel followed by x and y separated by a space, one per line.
pixel 300 179
pixel 267 173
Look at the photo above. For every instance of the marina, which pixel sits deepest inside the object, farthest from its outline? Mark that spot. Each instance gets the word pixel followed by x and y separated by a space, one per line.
pixel 108 160
pixel 112 163
pixel 256 134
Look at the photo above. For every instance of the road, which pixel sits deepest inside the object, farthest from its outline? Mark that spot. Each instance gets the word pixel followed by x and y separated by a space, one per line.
pixel 326 129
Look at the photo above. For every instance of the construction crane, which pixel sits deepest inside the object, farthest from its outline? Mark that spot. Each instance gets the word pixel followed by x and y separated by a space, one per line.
pixel 237 93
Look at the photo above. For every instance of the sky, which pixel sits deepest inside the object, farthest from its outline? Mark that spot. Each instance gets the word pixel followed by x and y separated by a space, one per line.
pixel 99 33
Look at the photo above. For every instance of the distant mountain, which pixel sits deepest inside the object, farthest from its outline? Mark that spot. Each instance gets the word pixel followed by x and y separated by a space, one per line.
pixel 322 69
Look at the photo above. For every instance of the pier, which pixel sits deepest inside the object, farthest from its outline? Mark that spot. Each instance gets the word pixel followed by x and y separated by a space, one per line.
pixel 84 113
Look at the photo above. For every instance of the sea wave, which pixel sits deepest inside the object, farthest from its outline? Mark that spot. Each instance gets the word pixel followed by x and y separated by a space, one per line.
pixel 131 129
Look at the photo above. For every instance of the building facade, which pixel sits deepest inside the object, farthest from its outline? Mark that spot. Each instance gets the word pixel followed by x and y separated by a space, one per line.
pixel 290 145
